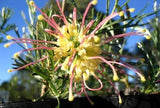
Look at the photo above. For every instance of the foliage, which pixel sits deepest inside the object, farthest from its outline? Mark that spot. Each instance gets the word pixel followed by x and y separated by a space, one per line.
pixel 150 51
pixel 5 15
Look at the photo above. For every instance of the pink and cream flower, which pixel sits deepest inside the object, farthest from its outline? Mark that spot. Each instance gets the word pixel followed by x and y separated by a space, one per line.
pixel 78 49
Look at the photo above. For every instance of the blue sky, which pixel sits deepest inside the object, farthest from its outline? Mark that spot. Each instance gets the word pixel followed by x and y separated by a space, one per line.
pixel 20 5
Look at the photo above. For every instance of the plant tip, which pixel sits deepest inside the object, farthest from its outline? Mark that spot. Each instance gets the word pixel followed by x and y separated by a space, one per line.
pixel 148 37
pixel 6 45
pixel 120 101
pixel 144 30
pixel 115 78
pixel 16 55
pixel 94 2
pixel 142 59
pixel 121 13
pixel 31 2
pixel 9 37
pixel 71 98
pixel 132 9
pixel 40 17
pixel 96 39
pixel 10 70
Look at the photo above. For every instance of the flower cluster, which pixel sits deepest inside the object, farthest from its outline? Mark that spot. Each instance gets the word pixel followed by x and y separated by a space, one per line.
pixel 77 49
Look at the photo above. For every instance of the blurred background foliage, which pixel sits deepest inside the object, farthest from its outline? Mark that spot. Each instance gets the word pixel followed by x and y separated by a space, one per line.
pixel 23 85
pixel 5 15
pixel 150 50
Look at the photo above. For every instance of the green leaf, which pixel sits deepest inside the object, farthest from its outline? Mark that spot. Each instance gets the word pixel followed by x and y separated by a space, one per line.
pixel 128 13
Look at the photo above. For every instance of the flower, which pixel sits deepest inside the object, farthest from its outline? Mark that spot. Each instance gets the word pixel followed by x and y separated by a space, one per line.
pixel 77 49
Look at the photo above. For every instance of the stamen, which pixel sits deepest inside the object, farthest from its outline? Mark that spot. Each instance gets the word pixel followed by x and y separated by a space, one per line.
pixel 13 42
pixel 29 64
pixel 27 41
pixel 71 97
pixel 40 17
pixel 57 67
pixel 123 35
pixel 110 17
pixel 72 58
pixel 30 40
pixel 65 20
pixel 107 62
pixel 53 21
pixel 138 73
pixel 31 49
pixel 129 57
pixel 94 89
pixel 104 21
pixel 74 16
pixel 141 77
pixel 76 90
pixel 86 93
pixel 88 36
pixel 88 26
pixel 48 20
pixel 119 96
pixel 84 15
